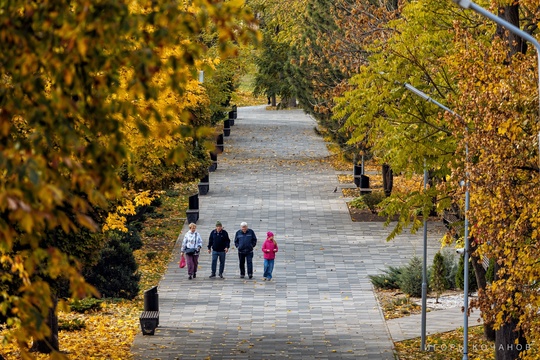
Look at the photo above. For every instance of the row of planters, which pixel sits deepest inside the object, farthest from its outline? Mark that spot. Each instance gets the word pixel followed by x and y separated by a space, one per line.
pixel 192 213
pixel 445 273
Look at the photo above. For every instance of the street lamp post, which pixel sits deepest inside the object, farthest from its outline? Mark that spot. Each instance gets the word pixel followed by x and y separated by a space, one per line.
pixel 465 236
pixel 468 4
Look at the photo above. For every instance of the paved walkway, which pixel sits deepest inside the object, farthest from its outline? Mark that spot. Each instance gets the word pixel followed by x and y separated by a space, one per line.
pixel 438 321
pixel 321 304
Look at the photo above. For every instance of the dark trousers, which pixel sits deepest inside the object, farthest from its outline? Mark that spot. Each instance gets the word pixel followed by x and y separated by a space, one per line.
pixel 215 256
pixel 192 264
pixel 243 258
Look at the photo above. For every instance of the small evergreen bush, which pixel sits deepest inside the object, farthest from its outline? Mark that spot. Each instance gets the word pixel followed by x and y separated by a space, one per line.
pixel 86 304
pixel 156 215
pixel 451 266
pixel 71 325
pixel 115 274
pixel 172 193
pixel 460 281
pixel 373 200
pixel 388 280
pixel 437 280
pixel 410 280
pixel 132 237
pixel 157 202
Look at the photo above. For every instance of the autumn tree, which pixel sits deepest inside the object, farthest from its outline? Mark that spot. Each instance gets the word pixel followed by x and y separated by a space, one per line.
pixel 73 74
pixel 499 97
pixel 403 130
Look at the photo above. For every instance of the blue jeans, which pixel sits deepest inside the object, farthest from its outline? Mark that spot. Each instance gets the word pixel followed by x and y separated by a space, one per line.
pixel 215 256
pixel 243 258
pixel 268 268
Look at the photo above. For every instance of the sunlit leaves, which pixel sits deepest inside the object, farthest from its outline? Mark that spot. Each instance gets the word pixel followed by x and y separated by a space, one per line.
pixel 81 85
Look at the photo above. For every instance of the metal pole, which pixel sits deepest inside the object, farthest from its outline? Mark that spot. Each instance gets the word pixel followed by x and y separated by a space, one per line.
pixel 466 235
pixel 362 164
pixel 424 271
pixel 468 4
pixel 466 276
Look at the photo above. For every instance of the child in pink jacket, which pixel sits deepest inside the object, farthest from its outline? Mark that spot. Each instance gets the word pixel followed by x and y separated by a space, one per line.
pixel 269 249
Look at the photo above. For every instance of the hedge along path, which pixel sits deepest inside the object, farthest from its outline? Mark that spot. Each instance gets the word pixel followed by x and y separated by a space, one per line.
pixel 320 303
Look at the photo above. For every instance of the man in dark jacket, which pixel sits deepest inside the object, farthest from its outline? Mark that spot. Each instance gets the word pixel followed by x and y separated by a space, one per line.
pixel 218 245
pixel 245 240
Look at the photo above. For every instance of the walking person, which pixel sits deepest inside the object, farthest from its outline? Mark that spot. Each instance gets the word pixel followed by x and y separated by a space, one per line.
pixel 245 240
pixel 191 247
pixel 269 249
pixel 218 245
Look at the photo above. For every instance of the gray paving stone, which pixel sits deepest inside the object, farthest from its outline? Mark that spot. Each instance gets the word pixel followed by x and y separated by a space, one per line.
pixel 321 304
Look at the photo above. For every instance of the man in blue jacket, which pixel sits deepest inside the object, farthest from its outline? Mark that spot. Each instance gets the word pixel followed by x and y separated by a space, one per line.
pixel 245 240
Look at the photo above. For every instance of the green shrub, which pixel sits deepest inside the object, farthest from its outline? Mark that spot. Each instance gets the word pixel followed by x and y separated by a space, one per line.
pixel 156 215
pixel 388 280
pixel 154 232
pixel 71 325
pixel 151 255
pixel 451 266
pixel 172 193
pixel 437 280
pixel 136 225
pixel 410 280
pixel 86 304
pixel 157 202
pixel 132 237
pixel 373 200
pixel 460 281
pixel 358 203
pixel 115 274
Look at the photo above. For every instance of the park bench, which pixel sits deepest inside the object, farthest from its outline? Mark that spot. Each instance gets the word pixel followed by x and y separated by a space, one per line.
pixel 149 321
pixel 149 318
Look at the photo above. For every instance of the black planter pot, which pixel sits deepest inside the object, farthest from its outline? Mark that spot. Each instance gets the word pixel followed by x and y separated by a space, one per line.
pixel 231 118
pixel 193 202
pixel 213 167
pixel 364 185
pixel 235 111
pixel 227 128
pixel 204 185
pixel 219 144
pixel 357 170
pixel 192 216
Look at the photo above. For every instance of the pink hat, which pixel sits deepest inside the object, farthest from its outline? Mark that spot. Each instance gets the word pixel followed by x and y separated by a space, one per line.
pixel 269 234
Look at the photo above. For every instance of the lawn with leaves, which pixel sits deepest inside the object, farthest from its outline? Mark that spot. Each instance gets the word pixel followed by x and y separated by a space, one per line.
pixel 107 331
pixel 448 346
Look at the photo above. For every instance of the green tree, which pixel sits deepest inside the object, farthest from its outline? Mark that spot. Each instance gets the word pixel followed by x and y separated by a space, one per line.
pixel 115 274
pixel 438 281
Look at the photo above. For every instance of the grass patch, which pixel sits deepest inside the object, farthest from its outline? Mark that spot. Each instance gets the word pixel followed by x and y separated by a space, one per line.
pixel 447 346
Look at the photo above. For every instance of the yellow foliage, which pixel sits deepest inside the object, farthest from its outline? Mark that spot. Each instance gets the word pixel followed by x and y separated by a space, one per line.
pixel 116 220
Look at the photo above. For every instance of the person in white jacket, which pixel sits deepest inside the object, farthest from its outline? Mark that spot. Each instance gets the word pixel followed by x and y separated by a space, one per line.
pixel 191 247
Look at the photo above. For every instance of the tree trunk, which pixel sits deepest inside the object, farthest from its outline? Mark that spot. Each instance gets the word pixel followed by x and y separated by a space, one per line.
pixel 49 343
pixel 292 102
pixel 515 43
pixel 388 179
pixel 480 274
pixel 506 347
pixel 273 100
